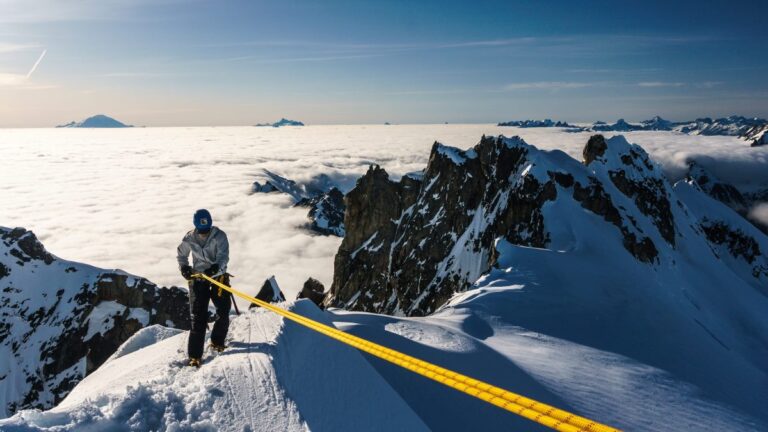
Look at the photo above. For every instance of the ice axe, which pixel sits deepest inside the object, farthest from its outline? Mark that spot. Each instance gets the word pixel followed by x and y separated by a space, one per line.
pixel 232 296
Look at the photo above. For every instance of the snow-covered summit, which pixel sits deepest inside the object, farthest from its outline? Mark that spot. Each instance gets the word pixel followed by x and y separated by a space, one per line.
pixel 97 121
pixel 604 253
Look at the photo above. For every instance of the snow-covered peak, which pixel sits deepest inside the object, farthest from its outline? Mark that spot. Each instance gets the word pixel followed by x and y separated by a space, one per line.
pixel 657 124
pixel 414 255
pixel 455 155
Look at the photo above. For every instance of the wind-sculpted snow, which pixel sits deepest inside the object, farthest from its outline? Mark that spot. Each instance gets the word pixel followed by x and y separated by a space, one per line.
pixel 60 320
pixel 664 280
pixel 124 197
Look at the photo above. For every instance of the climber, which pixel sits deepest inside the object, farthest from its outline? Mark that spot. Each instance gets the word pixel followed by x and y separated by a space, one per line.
pixel 210 254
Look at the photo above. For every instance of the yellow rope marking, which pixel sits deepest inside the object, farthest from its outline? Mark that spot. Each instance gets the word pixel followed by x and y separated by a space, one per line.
pixel 541 413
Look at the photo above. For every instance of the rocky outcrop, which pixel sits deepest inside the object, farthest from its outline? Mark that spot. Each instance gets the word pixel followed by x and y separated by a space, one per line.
pixel 724 192
pixel 269 292
pixel 728 194
pixel 326 212
pixel 60 320
pixel 594 149
pixel 757 135
pixel 313 290
pixel 411 245
pixel 324 200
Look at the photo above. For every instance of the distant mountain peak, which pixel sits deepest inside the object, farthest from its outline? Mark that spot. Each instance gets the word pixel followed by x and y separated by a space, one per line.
pixel 282 122
pixel 97 121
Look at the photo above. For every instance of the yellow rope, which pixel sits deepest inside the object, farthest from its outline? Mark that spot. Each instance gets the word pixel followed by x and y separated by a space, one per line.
pixel 539 412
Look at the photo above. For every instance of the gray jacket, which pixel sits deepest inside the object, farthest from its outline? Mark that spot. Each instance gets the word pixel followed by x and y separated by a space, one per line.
pixel 213 250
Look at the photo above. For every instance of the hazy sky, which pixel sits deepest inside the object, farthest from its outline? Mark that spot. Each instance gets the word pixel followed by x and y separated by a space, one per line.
pixel 168 63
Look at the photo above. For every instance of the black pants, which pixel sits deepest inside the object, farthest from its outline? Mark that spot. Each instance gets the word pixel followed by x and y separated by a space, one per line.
pixel 200 292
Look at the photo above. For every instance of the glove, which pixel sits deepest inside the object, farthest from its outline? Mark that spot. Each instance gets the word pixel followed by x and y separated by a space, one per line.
pixel 212 270
pixel 186 272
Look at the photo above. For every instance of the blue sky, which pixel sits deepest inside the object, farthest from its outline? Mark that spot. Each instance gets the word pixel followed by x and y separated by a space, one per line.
pixel 166 63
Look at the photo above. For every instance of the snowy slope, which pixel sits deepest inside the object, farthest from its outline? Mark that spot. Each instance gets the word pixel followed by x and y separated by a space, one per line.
pixel 479 335
pixel 60 320
pixel 276 376
pixel 606 254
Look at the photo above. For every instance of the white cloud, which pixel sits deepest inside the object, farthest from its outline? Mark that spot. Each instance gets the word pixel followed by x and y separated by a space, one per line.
pixel 134 75
pixel 760 213
pixel 7 47
pixel 547 85
pixel 23 11
pixel 124 198
pixel 660 84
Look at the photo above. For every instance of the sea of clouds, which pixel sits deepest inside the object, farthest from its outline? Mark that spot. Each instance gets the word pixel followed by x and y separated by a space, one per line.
pixel 123 198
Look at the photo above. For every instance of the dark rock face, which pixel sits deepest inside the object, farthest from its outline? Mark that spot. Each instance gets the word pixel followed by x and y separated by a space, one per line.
pixel 742 246
pixel 411 245
pixel 313 290
pixel 717 189
pixel 269 292
pixel 595 148
pixel 326 211
pixel 738 243
pixel 727 194
pixel 61 320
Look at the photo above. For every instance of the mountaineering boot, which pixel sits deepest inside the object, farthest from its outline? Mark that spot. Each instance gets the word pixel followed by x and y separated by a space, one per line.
pixel 217 347
pixel 194 362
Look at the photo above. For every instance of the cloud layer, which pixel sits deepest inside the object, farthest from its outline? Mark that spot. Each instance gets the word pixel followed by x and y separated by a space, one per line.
pixel 124 198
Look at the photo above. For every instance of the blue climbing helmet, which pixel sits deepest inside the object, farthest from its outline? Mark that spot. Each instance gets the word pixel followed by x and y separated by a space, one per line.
pixel 203 221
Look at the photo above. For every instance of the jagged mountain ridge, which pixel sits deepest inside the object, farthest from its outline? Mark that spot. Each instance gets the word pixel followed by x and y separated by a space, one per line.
pixel 536 123
pixel 411 245
pixel 757 135
pixel 754 130
pixel 60 320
